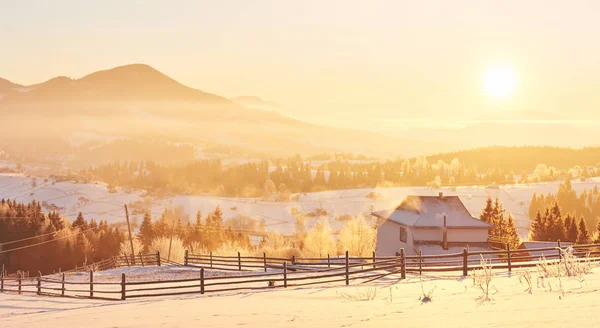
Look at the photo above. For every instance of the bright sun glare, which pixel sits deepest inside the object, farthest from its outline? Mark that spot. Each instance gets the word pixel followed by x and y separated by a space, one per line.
pixel 499 82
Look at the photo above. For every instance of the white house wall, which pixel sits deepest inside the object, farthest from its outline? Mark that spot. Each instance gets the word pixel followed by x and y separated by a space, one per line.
pixel 388 240
pixel 467 235
pixel 427 234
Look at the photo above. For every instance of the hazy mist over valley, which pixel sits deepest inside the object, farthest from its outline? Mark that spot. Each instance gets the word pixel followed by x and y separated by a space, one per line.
pixel 299 163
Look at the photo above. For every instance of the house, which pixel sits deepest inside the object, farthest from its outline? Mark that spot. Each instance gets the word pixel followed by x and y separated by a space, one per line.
pixel 433 224
pixel 525 250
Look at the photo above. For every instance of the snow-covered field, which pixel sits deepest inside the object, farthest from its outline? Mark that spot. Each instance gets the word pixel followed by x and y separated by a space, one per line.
pixel 455 304
pixel 100 204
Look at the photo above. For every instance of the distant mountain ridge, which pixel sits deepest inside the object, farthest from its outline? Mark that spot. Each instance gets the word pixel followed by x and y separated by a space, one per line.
pixel 136 82
pixel 254 102
pixel 138 100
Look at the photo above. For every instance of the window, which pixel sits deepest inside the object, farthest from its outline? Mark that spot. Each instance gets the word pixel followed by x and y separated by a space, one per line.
pixel 403 234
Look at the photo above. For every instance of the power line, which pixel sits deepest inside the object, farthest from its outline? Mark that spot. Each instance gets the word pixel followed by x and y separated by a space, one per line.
pixel 24 239
pixel 44 242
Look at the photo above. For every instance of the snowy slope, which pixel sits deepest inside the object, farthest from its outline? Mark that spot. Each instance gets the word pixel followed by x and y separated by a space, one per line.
pixel 277 215
pixel 455 304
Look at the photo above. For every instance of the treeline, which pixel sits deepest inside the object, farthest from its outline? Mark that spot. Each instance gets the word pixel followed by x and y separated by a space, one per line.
pixel 206 234
pixel 505 229
pixel 523 159
pixel 499 165
pixel 295 174
pixel 553 225
pixel 48 242
pixel 171 235
pixel 586 204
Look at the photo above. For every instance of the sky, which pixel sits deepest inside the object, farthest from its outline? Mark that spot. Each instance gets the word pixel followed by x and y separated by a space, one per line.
pixel 325 60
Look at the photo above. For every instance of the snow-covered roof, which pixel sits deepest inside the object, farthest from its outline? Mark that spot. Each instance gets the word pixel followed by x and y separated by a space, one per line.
pixel 543 244
pixel 429 211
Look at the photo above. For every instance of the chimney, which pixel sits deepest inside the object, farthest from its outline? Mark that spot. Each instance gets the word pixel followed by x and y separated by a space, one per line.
pixel 444 235
pixel 440 195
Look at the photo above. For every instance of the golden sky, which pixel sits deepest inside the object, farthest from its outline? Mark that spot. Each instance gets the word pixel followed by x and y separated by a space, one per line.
pixel 388 58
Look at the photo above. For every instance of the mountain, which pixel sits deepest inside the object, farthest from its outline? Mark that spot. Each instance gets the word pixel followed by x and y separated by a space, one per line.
pixel 140 103
pixel 137 82
pixel 254 102
pixel 7 87
pixel 520 115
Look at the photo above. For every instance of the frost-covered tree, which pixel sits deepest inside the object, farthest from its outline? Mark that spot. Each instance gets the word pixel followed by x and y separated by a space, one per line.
pixel 357 237
pixel 319 240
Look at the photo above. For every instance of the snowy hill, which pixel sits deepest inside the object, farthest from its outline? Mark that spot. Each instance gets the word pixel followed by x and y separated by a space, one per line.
pixel 94 201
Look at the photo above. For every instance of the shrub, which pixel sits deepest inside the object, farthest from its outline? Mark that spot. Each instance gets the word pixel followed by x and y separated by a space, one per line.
pixel 425 297
pixel 525 277
pixel 162 245
pixel 357 237
pixel 482 279
pixel 319 241
pixel 366 294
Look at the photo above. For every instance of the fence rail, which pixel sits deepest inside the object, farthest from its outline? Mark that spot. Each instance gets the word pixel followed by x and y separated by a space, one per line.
pixel 285 272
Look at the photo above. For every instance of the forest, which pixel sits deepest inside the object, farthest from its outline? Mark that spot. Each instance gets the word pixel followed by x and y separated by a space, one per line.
pixel 31 240
pixel 565 215
pixel 300 175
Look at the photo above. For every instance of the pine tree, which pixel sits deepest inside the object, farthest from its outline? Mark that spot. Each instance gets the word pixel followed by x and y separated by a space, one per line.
pixel 146 232
pixel 534 206
pixel 498 220
pixel 486 213
pixel 584 236
pixel 538 228
pixel 80 222
pixel 597 240
pixel 512 236
pixel 571 227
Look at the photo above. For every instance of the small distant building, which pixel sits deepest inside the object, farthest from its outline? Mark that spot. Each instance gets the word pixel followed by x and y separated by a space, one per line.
pixel 525 249
pixel 433 224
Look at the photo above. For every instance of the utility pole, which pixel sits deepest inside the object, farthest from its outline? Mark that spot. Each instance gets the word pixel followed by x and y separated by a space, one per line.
pixel 130 238
pixel 171 241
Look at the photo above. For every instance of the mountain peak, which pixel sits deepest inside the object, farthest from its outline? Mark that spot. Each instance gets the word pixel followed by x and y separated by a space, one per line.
pixel 133 82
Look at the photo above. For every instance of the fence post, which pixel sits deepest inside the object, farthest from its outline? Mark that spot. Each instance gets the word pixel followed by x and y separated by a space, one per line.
pixel 185 258
pixel 141 258
pixel 92 283
pixel 211 259
pixel 465 262
pixel 201 280
pixel 558 243
pixel 373 259
pixel 239 262
pixel 2 279
pixel 402 263
pixel 284 274
pixel 158 258
pixel 420 262
pixel 265 260
pixel 508 257
pixel 62 285
pixel 20 276
pixel 347 270
pixel 39 283
pixel 293 259
pixel 328 261
pixel 122 286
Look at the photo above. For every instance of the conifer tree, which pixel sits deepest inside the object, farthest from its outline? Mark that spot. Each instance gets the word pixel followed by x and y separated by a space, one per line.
pixel 80 222
pixel 538 228
pixel 512 236
pixel 571 227
pixel 487 212
pixel 146 232
pixel 584 236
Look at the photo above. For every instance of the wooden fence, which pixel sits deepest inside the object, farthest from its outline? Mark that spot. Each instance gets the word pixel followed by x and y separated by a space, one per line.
pixel 285 272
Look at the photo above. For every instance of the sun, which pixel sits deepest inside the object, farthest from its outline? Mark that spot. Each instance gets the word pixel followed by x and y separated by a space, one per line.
pixel 499 82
